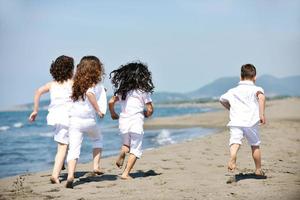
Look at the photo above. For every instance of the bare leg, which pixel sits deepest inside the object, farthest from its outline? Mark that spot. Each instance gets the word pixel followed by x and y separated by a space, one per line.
pixel 71 170
pixel 256 154
pixel 233 155
pixel 130 163
pixel 59 162
pixel 120 161
pixel 96 160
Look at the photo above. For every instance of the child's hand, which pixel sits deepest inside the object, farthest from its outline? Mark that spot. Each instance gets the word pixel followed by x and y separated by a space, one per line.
pixel 100 114
pixel 114 116
pixel 32 116
pixel 262 119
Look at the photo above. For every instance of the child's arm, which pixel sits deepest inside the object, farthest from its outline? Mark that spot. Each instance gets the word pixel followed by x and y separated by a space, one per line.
pixel 149 109
pixel 92 99
pixel 261 102
pixel 111 105
pixel 226 104
pixel 38 93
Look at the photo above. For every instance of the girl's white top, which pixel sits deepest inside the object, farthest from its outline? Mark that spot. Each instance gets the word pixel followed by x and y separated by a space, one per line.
pixel 244 108
pixel 60 103
pixel 132 111
pixel 84 109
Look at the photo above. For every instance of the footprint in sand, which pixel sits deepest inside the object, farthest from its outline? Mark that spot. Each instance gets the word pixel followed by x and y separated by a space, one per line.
pixel 54 190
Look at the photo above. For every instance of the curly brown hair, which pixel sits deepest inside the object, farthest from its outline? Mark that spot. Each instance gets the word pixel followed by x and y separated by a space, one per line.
pixel 89 72
pixel 62 68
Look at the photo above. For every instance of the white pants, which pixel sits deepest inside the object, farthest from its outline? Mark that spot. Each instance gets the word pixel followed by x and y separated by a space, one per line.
pixel 134 142
pixel 251 134
pixel 61 134
pixel 77 128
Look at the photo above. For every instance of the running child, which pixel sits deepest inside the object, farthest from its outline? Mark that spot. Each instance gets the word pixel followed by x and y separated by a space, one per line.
pixel 133 85
pixel 246 104
pixel 60 103
pixel 89 102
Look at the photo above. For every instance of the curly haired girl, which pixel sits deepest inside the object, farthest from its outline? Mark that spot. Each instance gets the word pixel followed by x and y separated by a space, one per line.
pixel 89 101
pixel 60 103
pixel 133 86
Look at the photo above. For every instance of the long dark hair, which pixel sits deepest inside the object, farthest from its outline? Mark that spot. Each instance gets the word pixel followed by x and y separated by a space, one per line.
pixel 134 75
pixel 89 72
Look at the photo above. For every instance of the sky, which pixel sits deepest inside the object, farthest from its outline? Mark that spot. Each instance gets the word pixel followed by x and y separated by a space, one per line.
pixel 186 43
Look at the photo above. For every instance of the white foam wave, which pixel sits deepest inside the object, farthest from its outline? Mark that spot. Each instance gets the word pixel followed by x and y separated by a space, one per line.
pixel 4 128
pixel 164 137
pixel 18 125
pixel 47 134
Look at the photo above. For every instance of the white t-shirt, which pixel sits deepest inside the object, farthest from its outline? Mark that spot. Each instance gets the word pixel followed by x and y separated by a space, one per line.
pixel 60 103
pixel 84 109
pixel 244 107
pixel 132 111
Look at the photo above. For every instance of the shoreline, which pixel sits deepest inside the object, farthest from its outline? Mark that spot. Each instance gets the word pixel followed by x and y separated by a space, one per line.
pixel 194 169
pixel 157 146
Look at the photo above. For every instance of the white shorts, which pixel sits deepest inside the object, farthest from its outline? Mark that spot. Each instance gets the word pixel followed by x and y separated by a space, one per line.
pixel 134 142
pixel 79 127
pixel 61 134
pixel 251 134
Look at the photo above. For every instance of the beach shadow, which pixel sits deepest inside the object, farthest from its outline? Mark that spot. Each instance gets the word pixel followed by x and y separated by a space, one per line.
pixel 63 176
pixel 241 176
pixel 141 173
pixel 95 178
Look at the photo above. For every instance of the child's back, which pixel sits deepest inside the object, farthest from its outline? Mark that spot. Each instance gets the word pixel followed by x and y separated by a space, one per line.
pixel 132 111
pixel 84 109
pixel 60 103
pixel 244 108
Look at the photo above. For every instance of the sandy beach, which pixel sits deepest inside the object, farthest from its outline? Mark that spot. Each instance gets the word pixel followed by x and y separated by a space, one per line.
pixel 195 169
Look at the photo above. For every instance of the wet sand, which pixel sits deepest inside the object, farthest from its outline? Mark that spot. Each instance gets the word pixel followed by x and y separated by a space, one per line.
pixel 195 169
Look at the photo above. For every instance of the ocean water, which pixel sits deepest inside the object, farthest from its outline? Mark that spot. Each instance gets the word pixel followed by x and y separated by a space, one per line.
pixel 29 147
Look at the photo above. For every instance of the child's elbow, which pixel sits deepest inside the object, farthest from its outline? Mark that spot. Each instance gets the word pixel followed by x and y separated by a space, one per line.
pixel 261 97
pixel 151 110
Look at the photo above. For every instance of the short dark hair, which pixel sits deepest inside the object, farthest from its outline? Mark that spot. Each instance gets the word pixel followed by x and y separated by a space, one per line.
pixel 62 68
pixel 248 71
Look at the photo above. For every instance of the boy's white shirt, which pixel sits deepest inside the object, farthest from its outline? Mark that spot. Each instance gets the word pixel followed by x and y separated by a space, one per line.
pixel 244 107
pixel 84 109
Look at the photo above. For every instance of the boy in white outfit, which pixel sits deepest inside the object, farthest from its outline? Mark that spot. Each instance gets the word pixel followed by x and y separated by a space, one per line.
pixel 246 104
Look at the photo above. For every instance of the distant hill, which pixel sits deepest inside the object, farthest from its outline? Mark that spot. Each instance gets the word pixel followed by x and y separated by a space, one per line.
pixel 273 86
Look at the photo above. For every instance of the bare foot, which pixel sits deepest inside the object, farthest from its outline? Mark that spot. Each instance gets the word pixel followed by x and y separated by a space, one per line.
pixel 69 183
pixel 127 177
pixel 259 172
pixel 120 160
pixel 98 172
pixel 54 180
pixel 231 166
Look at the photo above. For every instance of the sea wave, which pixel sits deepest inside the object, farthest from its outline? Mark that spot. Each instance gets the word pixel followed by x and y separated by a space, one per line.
pixel 164 137
pixel 4 128
pixel 18 125
pixel 47 134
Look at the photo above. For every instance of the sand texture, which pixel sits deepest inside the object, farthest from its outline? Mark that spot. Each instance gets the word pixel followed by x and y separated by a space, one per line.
pixel 194 169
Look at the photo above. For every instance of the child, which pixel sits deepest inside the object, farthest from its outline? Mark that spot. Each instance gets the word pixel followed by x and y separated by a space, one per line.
pixel 60 91
pixel 133 85
pixel 89 98
pixel 246 104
